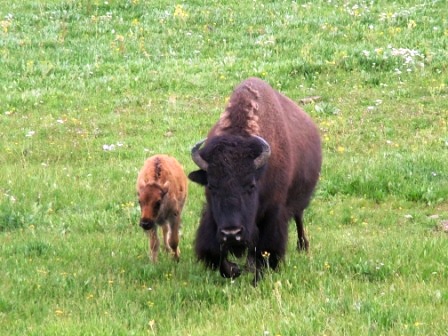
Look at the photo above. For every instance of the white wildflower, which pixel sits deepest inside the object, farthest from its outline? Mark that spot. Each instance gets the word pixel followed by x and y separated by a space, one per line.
pixel 109 147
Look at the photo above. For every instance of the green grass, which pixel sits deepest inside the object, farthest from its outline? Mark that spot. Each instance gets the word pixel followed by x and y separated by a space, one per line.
pixel 152 77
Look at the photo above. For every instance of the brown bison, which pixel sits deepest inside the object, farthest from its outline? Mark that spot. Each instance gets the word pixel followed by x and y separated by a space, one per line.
pixel 260 164
pixel 162 190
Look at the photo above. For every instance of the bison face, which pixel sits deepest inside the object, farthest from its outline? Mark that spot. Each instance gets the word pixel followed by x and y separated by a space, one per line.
pixel 231 168
pixel 151 197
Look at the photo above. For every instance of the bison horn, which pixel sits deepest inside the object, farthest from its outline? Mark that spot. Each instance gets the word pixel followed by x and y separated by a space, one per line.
pixel 262 159
pixel 197 158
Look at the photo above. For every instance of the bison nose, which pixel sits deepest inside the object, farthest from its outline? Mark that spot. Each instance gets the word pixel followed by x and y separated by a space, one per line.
pixel 229 234
pixel 146 224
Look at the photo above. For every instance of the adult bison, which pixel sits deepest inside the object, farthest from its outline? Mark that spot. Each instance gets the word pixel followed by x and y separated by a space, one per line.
pixel 260 164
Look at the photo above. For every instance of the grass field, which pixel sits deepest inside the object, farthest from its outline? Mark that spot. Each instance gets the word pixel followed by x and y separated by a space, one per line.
pixel 89 89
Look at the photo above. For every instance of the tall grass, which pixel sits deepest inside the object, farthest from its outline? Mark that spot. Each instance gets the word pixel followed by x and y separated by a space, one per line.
pixel 89 89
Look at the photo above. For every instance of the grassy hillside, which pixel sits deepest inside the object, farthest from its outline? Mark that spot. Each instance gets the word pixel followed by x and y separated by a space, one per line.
pixel 89 89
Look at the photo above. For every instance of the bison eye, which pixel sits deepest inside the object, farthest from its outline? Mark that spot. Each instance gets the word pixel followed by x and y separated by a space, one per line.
pixel 250 188
pixel 157 206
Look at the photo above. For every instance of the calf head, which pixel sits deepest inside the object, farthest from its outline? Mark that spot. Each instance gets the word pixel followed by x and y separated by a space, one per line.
pixel 151 197
pixel 231 167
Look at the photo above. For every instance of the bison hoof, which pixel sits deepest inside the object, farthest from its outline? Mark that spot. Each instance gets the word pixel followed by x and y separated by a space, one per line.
pixel 258 276
pixel 229 270
pixel 302 244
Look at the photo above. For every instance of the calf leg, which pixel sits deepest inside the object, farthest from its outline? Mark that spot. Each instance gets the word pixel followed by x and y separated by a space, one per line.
pixel 154 243
pixel 173 238
pixel 302 242
pixel 166 235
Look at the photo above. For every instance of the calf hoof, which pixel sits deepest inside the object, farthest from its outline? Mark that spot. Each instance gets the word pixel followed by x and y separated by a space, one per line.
pixel 229 270
pixel 175 254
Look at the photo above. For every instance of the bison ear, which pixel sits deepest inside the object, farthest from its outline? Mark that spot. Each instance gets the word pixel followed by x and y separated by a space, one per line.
pixel 165 188
pixel 199 176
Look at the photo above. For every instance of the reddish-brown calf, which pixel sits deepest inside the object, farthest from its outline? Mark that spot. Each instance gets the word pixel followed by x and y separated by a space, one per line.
pixel 162 190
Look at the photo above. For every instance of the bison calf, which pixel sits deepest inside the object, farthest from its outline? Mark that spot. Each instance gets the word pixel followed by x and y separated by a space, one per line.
pixel 162 190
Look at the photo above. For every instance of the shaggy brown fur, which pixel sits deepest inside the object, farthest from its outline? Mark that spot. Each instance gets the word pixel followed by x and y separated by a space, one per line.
pixel 249 207
pixel 162 190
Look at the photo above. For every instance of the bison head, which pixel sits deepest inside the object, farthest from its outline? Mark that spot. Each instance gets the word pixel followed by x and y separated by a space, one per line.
pixel 231 167
pixel 151 198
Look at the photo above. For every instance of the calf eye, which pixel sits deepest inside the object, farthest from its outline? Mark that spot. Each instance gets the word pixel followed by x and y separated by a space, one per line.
pixel 157 206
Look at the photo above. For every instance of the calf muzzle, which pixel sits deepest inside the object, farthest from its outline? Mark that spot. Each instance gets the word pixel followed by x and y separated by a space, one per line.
pixel 147 224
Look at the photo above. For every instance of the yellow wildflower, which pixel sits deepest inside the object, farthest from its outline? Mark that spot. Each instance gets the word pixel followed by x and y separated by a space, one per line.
pixel 179 12
pixel 341 149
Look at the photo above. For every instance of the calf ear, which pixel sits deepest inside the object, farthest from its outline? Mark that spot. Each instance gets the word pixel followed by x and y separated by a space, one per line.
pixel 165 188
pixel 198 176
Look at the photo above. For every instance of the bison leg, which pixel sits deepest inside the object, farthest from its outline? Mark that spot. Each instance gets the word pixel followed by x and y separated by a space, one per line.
pixel 250 262
pixel 302 242
pixel 265 260
pixel 253 264
pixel 166 235
pixel 207 254
pixel 209 251
pixel 271 246
pixel 228 269
pixel 173 238
pixel 206 246
pixel 153 243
